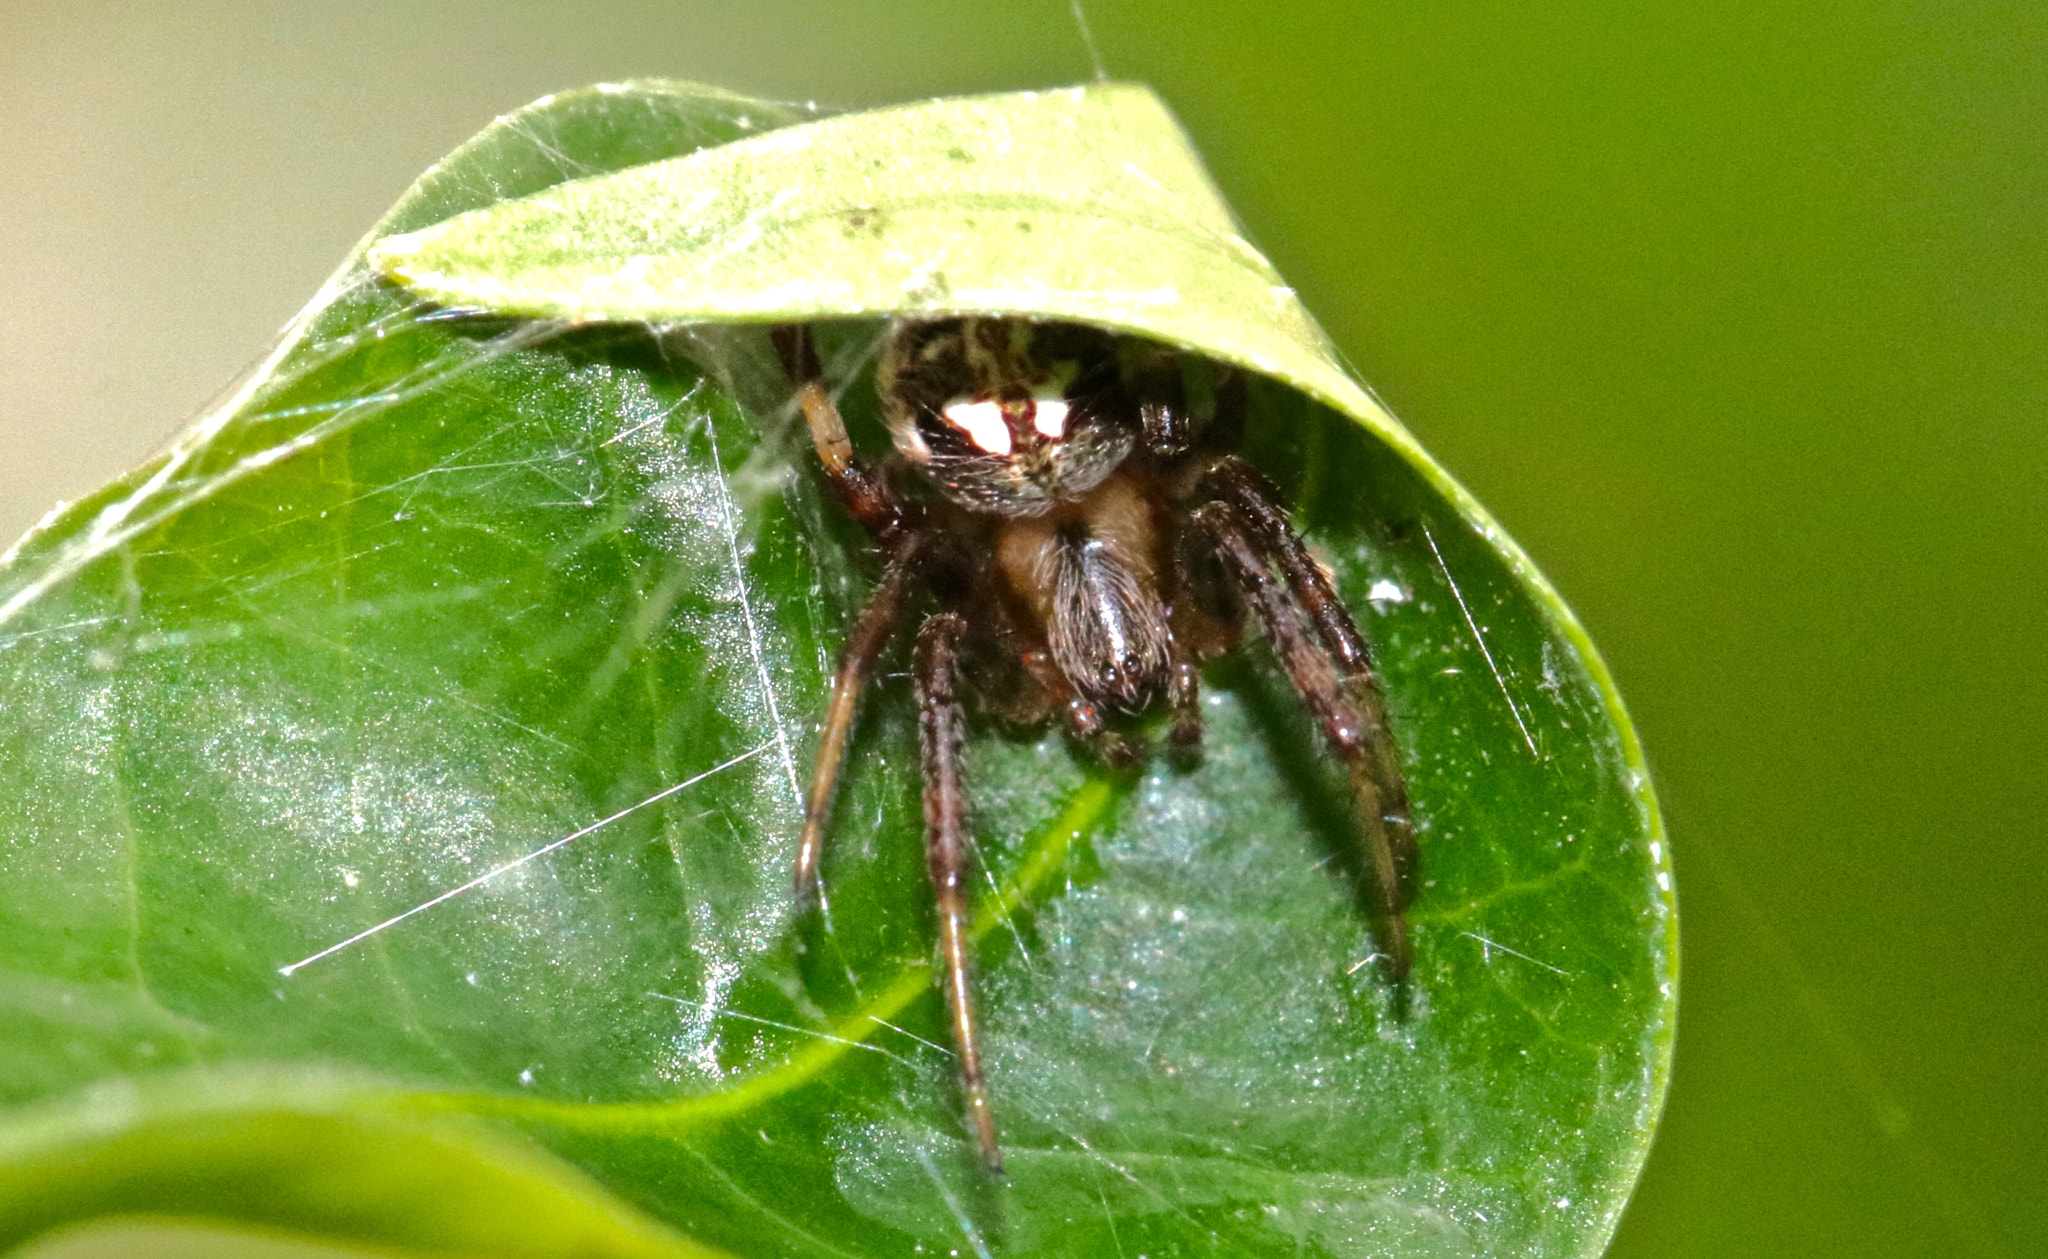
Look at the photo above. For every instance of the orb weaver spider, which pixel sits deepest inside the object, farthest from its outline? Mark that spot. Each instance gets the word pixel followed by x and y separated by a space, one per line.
pixel 1084 536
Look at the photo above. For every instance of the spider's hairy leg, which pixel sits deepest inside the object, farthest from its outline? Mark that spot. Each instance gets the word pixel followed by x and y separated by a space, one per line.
pixel 1196 631
pixel 1165 425
pixel 866 496
pixel 1184 696
pixel 1257 505
pixel 871 634
pixel 1352 717
pixel 941 730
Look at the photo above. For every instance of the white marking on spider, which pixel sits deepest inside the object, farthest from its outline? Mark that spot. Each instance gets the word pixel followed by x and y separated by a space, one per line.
pixel 983 423
pixel 1049 417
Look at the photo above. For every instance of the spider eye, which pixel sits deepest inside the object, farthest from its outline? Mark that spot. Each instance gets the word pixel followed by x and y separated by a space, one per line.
pixel 982 422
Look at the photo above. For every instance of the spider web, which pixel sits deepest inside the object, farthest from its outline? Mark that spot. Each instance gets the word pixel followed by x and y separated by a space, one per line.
pixel 439 706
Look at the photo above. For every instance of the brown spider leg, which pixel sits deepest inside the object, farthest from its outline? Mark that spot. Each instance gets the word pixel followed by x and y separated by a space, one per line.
pixel 941 727
pixel 866 496
pixel 1197 630
pixel 1257 504
pixel 1184 696
pixel 1356 732
pixel 871 634
pixel 1165 426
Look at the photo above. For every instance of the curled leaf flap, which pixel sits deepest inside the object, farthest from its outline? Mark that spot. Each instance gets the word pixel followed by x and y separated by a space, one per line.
pixel 1087 204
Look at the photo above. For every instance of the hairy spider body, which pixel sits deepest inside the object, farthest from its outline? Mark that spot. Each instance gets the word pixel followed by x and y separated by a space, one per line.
pixel 1074 515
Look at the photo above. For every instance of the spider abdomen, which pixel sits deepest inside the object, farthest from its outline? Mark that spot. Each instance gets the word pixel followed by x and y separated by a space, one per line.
pixel 1089 576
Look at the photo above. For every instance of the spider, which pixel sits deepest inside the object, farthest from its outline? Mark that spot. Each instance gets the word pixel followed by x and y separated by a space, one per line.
pixel 1066 505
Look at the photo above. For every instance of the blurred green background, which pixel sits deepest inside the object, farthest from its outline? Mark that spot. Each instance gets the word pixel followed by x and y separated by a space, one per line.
pixel 1736 315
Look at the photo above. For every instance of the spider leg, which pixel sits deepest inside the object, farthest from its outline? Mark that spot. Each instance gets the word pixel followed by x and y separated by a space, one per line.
pixel 1184 696
pixel 1352 717
pixel 1165 427
pixel 871 634
pixel 1257 505
pixel 866 496
pixel 1205 619
pixel 941 730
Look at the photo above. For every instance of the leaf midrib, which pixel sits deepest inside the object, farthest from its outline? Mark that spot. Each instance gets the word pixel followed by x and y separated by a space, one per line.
pixel 1085 813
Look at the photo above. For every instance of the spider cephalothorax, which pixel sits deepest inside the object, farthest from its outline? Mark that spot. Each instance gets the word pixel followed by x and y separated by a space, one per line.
pixel 1072 515
pixel 1006 416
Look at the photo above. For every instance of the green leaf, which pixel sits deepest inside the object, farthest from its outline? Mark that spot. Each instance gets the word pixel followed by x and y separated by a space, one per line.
pixel 404 767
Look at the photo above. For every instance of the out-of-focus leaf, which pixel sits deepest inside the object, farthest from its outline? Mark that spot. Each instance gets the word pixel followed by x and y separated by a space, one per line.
pixel 404 768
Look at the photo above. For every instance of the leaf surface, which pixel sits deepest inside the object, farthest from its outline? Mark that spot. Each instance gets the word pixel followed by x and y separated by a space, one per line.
pixel 405 767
